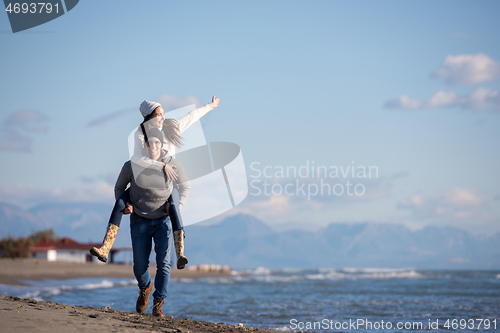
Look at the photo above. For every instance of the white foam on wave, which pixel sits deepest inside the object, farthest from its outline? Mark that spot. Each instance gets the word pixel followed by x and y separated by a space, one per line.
pixel 100 285
pixel 46 292
pixel 183 280
pixel 220 280
pixel 292 270
pixel 365 273
pixel 39 290
pixel 498 276
pixel 104 284
pixel 35 295
pixel 283 329
pixel 374 270
pixel 266 275
pixel 278 278
pixel 255 271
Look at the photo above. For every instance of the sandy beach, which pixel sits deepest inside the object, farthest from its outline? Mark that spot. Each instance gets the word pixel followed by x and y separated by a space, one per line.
pixel 12 271
pixel 29 315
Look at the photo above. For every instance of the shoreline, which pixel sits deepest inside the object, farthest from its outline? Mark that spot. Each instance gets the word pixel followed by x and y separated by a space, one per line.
pixel 29 315
pixel 13 271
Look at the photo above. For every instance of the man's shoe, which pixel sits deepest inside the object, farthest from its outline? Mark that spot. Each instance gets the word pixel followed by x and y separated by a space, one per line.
pixel 157 308
pixel 143 300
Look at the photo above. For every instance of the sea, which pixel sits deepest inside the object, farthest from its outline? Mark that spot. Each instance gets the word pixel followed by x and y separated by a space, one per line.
pixel 293 300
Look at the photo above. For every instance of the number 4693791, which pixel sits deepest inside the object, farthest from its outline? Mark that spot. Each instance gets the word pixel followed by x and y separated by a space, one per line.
pixel 470 324
pixel 32 8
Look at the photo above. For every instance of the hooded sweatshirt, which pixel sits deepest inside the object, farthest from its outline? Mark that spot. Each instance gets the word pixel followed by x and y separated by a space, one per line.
pixel 150 189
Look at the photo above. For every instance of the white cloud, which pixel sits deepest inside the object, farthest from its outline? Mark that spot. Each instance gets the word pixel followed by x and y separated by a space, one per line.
pixel 21 194
pixel 267 208
pixel 442 98
pixel 12 140
pixel 484 98
pixel 99 192
pixel 456 205
pixel 480 99
pixel 16 129
pixel 468 69
pixel 27 120
pixel 109 177
pixel 403 102
pixel 299 211
pixel 284 198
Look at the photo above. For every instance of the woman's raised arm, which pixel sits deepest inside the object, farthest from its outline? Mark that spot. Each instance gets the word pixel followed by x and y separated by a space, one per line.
pixel 195 115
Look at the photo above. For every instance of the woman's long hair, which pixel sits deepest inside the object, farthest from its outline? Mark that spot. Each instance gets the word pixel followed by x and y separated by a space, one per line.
pixel 146 119
pixel 170 130
pixel 172 133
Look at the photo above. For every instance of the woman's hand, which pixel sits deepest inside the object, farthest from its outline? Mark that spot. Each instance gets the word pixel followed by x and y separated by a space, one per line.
pixel 169 171
pixel 129 209
pixel 215 102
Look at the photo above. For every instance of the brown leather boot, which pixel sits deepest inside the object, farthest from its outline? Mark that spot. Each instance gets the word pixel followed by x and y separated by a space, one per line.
pixel 157 308
pixel 143 299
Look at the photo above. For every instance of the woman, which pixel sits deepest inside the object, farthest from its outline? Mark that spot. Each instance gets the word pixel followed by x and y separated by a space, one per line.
pixel 154 117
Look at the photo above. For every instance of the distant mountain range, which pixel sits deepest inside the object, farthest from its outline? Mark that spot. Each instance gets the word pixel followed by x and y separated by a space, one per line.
pixel 243 241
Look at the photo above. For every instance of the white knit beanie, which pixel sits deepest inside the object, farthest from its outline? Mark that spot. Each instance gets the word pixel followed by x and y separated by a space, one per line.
pixel 148 107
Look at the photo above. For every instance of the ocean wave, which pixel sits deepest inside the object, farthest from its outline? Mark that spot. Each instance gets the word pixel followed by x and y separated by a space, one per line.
pixel 42 290
pixel 283 329
pixel 374 270
pixel 278 278
pixel 101 285
pixel 220 280
pixel 368 273
pixel 40 294
pixel 255 271
pixel 182 280
pixel 290 275
pixel 104 284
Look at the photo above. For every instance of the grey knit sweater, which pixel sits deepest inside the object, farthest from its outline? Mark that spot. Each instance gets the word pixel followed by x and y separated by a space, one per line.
pixel 150 189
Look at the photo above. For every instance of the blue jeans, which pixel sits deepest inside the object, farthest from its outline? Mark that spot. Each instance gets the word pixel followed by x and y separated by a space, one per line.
pixel 143 232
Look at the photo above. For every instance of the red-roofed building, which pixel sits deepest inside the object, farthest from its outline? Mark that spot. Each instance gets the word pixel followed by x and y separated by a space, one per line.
pixel 66 249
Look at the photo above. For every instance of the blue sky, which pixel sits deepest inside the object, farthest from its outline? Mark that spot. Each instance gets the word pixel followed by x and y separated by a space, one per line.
pixel 299 81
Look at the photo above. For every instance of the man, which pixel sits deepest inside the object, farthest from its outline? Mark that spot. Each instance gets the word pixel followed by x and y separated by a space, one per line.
pixel 149 192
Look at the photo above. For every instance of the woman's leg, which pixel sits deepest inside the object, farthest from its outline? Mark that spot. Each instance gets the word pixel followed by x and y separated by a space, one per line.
pixel 120 205
pixel 112 230
pixel 173 211
pixel 178 228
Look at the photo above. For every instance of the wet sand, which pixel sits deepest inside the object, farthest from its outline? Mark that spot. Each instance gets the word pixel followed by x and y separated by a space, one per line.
pixel 13 271
pixel 29 315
